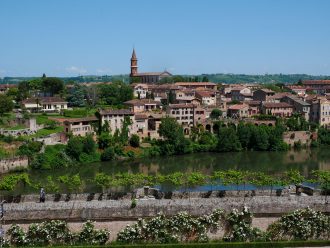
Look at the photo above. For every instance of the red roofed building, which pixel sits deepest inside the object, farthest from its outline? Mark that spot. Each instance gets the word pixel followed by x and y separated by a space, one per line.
pixel 318 86
pixel 195 85
pixel 206 97
pixel 238 111
pixel 281 109
pixel 142 105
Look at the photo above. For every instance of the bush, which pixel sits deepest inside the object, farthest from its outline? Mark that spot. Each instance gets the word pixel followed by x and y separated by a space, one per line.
pixel 108 154
pixel 89 235
pixel 133 203
pixel 134 140
pixel 302 224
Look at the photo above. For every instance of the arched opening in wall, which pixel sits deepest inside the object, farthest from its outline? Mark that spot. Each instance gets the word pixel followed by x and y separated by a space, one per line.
pixel 216 128
pixel 270 124
pixel 25 133
pixel 18 134
pixel 208 127
pixel 256 124
pixel 186 131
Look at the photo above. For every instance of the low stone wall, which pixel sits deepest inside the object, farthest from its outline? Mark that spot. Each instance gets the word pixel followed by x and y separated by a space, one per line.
pixel 107 210
pixel 53 139
pixel 305 137
pixel 10 164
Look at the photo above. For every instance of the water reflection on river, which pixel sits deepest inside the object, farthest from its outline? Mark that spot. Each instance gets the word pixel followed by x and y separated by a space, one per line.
pixel 270 162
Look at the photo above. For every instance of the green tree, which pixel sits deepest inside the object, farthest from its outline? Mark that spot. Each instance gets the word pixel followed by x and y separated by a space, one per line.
pixel 260 139
pixel 134 140
pixel 215 114
pixel 245 132
pixel 6 104
pixel 52 85
pixel 115 93
pixel 77 96
pixel 171 131
pixel 75 147
pixel 89 145
pixel 108 154
pixel 105 140
pixel 170 97
pixel 124 132
pixel 228 141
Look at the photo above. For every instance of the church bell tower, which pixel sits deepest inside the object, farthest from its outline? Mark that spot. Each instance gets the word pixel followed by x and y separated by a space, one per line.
pixel 134 66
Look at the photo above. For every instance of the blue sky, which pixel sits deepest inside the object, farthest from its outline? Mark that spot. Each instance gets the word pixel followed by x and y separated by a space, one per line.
pixel 84 37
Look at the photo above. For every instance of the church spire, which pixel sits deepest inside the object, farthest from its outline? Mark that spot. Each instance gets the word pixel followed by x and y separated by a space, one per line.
pixel 134 66
pixel 133 54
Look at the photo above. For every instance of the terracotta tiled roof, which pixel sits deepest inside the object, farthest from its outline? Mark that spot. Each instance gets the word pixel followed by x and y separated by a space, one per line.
pixel 253 103
pixel 44 100
pixel 237 106
pixel 182 105
pixel 71 120
pixel 267 90
pixel 276 105
pixel 140 116
pixel 151 73
pixel 205 94
pixel 116 112
pixel 195 84
pixel 141 102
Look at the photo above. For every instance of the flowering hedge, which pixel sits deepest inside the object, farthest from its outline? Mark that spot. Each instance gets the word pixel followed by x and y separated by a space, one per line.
pixel 302 224
pixel 55 232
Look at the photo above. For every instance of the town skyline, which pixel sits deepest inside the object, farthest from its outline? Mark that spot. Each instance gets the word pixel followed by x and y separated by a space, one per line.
pixel 258 37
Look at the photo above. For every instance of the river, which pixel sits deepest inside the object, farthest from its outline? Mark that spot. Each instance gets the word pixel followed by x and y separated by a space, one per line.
pixel 269 162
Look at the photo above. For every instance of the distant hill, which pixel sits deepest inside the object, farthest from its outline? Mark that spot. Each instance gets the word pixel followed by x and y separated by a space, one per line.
pixel 217 78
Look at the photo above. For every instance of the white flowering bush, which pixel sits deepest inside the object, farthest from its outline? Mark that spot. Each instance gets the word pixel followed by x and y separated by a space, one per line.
pixel 179 228
pixel 238 226
pixel 4 242
pixel 302 224
pixel 17 236
pixel 49 232
pixel 56 232
pixel 89 235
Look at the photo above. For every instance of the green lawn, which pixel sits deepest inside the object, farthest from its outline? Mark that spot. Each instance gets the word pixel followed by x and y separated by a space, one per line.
pixel 42 119
pixel 44 132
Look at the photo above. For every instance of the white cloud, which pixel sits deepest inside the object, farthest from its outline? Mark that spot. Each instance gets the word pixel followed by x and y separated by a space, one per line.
pixel 2 71
pixel 75 69
pixel 103 71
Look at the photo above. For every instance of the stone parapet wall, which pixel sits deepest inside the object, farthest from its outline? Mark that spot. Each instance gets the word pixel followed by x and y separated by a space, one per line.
pixel 95 209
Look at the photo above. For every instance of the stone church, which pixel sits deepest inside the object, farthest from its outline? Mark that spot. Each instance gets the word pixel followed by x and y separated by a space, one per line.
pixel 146 77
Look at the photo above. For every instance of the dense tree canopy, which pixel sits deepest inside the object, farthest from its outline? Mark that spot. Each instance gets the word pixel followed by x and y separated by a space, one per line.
pixel 77 96
pixel 6 104
pixel 115 93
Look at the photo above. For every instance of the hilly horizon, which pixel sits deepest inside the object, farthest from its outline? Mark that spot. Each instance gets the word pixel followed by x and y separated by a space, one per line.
pixel 226 78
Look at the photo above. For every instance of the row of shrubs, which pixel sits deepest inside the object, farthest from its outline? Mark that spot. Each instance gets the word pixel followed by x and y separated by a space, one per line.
pixel 182 228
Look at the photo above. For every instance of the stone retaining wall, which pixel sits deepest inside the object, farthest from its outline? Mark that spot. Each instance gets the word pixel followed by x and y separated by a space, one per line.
pixel 10 164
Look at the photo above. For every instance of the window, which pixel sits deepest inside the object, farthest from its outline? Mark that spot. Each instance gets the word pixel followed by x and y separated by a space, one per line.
pixel 49 106
pixel 62 106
